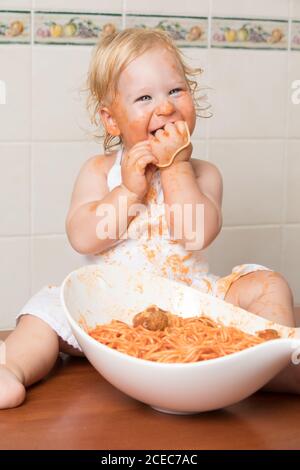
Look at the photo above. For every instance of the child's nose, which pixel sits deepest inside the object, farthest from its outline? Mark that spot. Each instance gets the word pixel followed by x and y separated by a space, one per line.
pixel 164 107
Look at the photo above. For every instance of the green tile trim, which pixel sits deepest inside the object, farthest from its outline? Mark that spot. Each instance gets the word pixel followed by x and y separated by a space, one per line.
pixel 167 16
pixel 196 46
pixel 15 11
pixel 53 43
pixel 276 20
pixel 71 12
pixel 282 49
pixel 11 43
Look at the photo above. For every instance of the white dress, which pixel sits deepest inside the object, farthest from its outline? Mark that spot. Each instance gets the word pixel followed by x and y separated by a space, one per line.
pixel 146 246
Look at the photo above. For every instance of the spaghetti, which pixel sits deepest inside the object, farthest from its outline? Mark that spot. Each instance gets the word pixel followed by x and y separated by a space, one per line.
pixel 183 340
pixel 165 165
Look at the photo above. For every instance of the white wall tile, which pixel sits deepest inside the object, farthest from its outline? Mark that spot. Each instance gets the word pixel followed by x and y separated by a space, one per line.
pixel 79 5
pixel 16 4
pixel 200 149
pixel 294 107
pixel 291 250
pixel 52 260
pixel 293 183
pixel 14 279
pixel 253 8
pixel 252 178
pixel 14 184
pixel 59 73
pixel 169 7
pixel 295 13
pixel 250 93
pixel 198 58
pixel 15 71
pixel 236 246
pixel 55 168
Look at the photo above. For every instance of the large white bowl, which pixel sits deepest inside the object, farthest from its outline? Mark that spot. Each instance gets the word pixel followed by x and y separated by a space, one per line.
pixel 100 293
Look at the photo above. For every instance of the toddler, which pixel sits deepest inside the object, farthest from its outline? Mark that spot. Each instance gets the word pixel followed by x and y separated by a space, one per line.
pixel 128 209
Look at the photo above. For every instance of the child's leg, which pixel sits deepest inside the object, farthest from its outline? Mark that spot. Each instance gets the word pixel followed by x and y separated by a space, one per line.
pixel 31 351
pixel 266 293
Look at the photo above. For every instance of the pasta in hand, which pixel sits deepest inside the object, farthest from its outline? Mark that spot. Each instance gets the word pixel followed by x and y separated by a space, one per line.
pixel 166 147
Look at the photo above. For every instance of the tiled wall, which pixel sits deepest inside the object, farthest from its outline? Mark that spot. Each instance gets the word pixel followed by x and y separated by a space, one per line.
pixel 250 52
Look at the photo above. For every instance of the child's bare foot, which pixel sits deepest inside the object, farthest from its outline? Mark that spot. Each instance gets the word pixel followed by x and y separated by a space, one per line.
pixel 12 391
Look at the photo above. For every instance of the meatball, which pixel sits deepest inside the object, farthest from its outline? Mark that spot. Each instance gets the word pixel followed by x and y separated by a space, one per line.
pixel 153 318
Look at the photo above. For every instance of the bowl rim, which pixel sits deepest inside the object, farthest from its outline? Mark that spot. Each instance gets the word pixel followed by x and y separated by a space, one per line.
pixel 178 365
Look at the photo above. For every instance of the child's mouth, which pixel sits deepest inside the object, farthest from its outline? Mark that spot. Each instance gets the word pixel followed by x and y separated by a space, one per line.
pixel 154 132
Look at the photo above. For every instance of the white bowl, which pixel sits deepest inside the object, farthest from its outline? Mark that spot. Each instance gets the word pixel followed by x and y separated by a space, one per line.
pixel 100 293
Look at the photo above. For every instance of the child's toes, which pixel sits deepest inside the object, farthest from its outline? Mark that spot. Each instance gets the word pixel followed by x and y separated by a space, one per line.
pixel 12 391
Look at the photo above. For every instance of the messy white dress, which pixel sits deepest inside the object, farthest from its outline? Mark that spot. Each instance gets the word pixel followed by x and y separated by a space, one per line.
pixel 146 246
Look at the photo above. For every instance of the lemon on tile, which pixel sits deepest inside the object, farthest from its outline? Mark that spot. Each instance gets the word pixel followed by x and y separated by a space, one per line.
pixel 56 30
pixel 230 35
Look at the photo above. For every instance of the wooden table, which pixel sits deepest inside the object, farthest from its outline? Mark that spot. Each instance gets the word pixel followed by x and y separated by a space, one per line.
pixel 75 408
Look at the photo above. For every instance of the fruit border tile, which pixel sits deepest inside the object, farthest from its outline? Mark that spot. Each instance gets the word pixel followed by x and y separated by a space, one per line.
pixel 186 31
pixel 15 27
pixel 84 28
pixel 295 40
pixel 73 28
pixel 249 33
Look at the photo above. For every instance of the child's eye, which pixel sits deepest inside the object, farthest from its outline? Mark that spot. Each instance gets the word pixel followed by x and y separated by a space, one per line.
pixel 176 90
pixel 144 96
pixel 141 98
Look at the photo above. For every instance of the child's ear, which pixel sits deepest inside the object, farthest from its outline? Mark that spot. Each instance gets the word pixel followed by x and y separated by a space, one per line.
pixel 109 122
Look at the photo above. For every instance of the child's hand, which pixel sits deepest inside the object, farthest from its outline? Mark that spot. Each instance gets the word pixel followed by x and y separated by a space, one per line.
pixel 138 167
pixel 168 140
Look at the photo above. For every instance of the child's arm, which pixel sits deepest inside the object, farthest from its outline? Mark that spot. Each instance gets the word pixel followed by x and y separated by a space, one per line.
pixel 92 194
pixel 89 192
pixel 194 182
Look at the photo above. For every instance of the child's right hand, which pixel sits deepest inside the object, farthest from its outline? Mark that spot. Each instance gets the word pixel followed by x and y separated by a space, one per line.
pixel 138 167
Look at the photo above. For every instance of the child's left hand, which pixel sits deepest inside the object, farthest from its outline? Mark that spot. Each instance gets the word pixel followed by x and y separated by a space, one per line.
pixel 166 141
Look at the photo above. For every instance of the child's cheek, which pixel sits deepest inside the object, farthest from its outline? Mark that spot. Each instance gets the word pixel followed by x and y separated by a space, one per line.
pixel 187 104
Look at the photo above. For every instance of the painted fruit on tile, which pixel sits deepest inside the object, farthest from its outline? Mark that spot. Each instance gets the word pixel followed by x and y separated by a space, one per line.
pixel 15 28
pixel 70 29
pixel 56 30
pixel 242 34
pixel 230 35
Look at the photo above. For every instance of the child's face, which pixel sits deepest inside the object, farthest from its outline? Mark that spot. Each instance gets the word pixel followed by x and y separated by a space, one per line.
pixel 152 91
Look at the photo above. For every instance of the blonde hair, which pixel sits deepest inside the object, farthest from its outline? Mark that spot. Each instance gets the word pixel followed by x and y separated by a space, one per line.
pixel 110 57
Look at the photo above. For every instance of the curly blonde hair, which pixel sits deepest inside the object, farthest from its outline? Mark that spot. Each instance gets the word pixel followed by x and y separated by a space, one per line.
pixel 111 55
